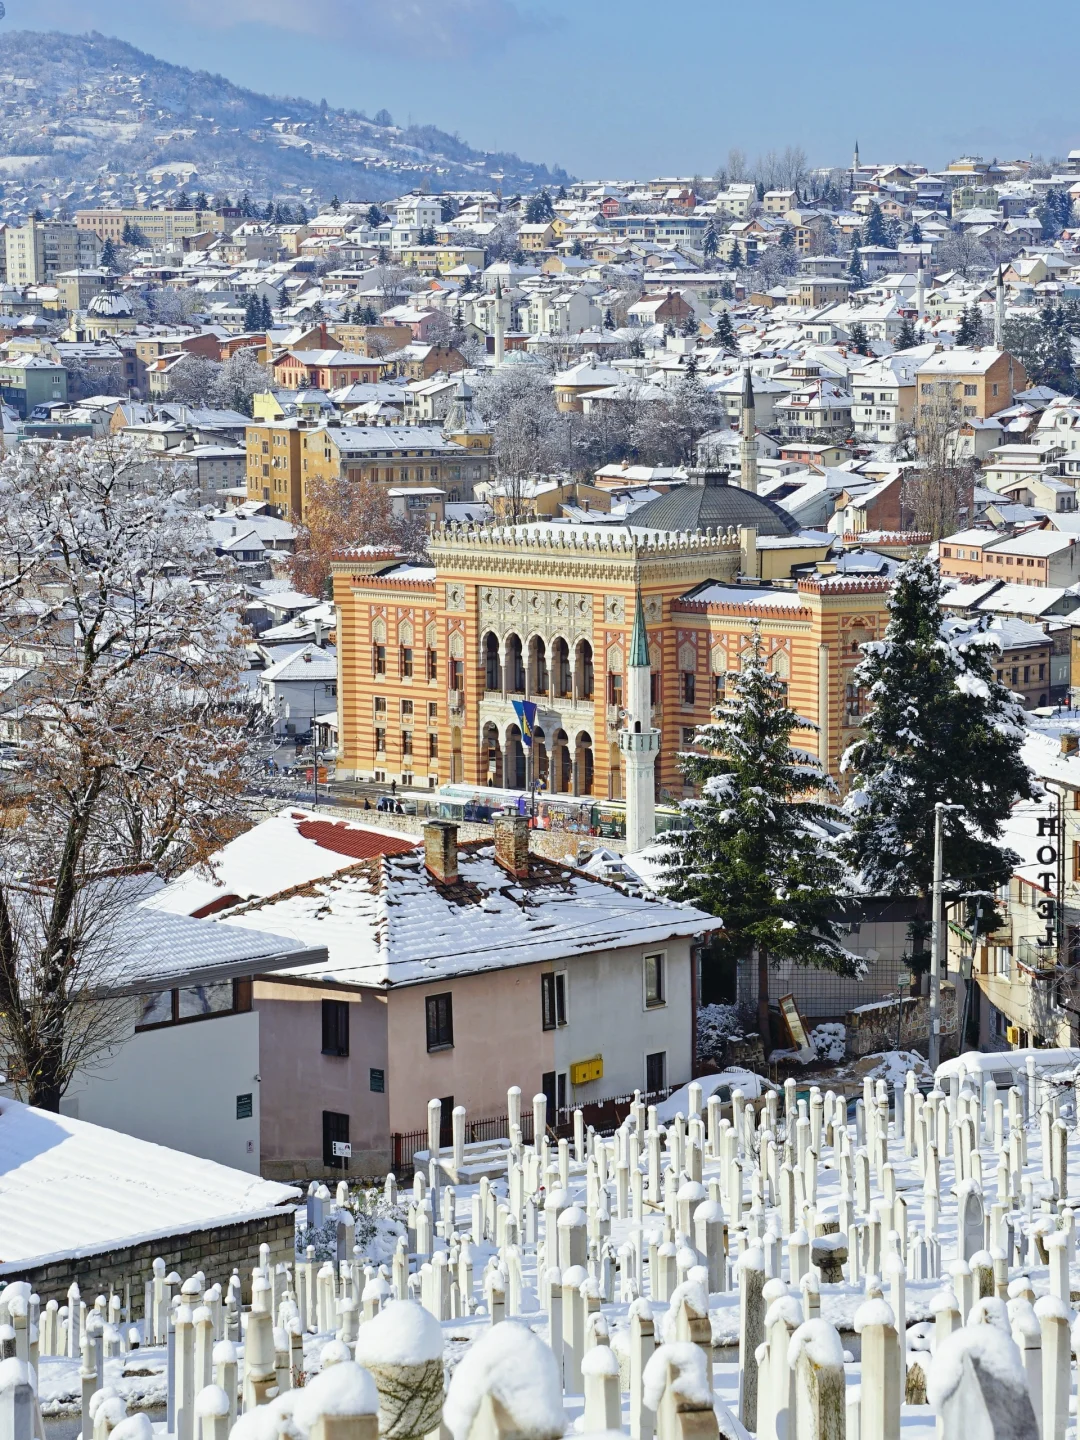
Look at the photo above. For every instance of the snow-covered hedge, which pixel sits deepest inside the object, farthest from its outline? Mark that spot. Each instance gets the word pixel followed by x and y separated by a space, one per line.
pixel 829 1042
pixel 715 1025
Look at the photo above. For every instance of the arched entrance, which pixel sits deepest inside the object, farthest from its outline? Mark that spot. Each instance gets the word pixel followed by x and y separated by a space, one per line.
pixel 513 759
pixel 514 666
pixel 561 766
pixel 583 670
pixel 583 764
pixel 492 665
pixel 561 675
pixel 490 755
pixel 538 668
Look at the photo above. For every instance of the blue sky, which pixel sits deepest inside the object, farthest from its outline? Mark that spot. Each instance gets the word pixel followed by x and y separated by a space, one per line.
pixel 620 87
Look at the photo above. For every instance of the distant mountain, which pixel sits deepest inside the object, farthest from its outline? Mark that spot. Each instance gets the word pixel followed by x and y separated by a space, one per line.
pixel 87 119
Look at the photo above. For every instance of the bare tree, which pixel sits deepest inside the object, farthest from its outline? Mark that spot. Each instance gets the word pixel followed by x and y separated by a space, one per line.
pixel 792 167
pixel 131 731
pixel 738 172
pixel 938 491
pixel 339 514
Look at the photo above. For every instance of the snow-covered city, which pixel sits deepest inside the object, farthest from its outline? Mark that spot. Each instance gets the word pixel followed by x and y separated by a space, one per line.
pixel 539 724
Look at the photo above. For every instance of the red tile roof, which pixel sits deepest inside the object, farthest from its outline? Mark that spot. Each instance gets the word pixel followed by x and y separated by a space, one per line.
pixel 345 839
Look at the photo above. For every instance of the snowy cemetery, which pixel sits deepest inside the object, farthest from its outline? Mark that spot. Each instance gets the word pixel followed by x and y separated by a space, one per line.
pixel 798 1268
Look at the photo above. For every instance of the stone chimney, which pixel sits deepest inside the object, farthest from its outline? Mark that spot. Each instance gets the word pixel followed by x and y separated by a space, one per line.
pixel 512 844
pixel 440 850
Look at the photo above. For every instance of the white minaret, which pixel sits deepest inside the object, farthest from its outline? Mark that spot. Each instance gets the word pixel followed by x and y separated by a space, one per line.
pixel 638 741
pixel 920 291
pixel 748 430
pixel 500 325
pixel 999 310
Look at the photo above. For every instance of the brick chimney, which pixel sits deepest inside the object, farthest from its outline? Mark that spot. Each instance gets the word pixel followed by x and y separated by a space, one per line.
pixel 440 850
pixel 1070 744
pixel 512 844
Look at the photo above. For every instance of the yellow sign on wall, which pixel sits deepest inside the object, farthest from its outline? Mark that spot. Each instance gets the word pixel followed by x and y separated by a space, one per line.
pixel 585 1071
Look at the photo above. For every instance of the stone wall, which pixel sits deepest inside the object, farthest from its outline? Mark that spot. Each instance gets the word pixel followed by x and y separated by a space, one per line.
pixel 872 1028
pixel 216 1251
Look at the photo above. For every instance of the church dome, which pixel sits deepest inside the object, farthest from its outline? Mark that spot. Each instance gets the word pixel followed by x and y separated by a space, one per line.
pixel 111 304
pixel 708 502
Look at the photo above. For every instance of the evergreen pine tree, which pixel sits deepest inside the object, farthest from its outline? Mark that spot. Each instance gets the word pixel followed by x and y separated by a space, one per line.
pixel 906 336
pixel 710 242
pixel 940 728
pixel 609 319
pixel 302 216
pixel 725 332
pixel 967 332
pixel 855 270
pixel 335 204
pixel 787 238
pixel 753 853
pixel 108 257
pixel 874 232
pixel 267 316
pixel 374 216
pixel 183 201
pixel 201 202
pixel 125 234
pixel 760 191
pixel 690 324
pixel 253 313
pixel 858 338
pixel 735 260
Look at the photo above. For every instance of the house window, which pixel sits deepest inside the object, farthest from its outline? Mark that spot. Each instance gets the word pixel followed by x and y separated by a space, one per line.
pixel 380 741
pixel 688 687
pixel 406 708
pixel 335 1027
pixel 457 674
pixel 970 390
pixel 655 1072
pixel 440 1021
pixel 380 659
pixel 654 980
pixel 432 711
pixel 553 999
pixel 432 665
pixel 195 1002
pixel 433 747
pixel 380 704
pixel 406 742
pixel 614 689
pixel 406 662
pixel 335 1133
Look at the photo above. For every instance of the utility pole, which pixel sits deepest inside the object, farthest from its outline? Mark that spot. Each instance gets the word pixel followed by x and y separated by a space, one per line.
pixel 935 940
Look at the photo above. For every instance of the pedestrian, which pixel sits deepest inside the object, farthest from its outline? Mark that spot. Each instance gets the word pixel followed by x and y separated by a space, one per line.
pixel 367 803
pixel 393 787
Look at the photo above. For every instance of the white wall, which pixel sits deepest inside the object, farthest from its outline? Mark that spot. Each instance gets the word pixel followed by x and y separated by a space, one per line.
pixel 178 1086
pixel 606 1015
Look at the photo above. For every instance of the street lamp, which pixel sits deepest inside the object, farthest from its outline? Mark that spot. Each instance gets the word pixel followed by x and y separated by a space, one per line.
pixel 935 940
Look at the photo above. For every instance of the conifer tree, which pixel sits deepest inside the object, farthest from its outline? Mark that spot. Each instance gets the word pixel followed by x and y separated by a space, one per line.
pixel 736 259
pixel 754 853
pixel 710 242
pixel 374 216
pixel 905 336
pixel 968 330
pixel 252 313
pixel 855 270
pixel 108 257
pixel 858 338
pixel 940 727
pixel 725 332
pixel 874 230
pixel 183 201
pixel 916 233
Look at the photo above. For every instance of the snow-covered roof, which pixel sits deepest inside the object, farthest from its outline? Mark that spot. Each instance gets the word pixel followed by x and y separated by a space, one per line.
pixel 387 921
pixel 293 847
pixel 717 593
pixel 64 1181
pixel 309 664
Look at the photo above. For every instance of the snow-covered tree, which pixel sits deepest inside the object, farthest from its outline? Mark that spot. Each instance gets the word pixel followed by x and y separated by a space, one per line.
pixel 240 378
pixel 755 853
pixel 131 730
pixel 940 727
pixel 194 380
